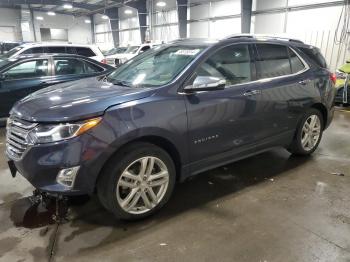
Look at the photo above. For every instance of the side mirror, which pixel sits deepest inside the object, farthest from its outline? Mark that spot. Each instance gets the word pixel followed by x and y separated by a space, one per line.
pixel 2 77
pixel 206 83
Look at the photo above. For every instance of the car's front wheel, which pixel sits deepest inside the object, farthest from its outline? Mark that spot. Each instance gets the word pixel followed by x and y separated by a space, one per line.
pixel 308 134
pixel 137 181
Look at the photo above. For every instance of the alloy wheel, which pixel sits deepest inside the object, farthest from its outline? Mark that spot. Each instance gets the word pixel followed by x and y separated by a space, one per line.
pixel 311 132
pixel 142 185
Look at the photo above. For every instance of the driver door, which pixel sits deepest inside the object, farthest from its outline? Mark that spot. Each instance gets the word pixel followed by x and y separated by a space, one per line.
pixel 222 121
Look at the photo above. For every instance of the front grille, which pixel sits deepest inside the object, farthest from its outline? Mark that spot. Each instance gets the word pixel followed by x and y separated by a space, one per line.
pixel 16 137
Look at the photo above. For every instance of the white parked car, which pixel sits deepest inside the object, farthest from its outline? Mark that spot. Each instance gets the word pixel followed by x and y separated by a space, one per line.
pixel 90 51
pixel 130 52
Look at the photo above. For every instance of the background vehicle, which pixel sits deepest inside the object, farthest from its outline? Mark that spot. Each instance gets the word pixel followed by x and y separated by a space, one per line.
pixel 28 73
pixel 132 51
pixel 7 46
pixel 115 50
pixel 343 95
pixel 171 113
pixel 90 51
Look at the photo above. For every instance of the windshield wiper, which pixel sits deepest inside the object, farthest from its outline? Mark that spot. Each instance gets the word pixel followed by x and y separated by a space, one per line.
pixel 121 83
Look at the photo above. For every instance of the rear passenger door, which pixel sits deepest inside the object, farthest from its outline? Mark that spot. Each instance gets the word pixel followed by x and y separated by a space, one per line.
pixel 282 77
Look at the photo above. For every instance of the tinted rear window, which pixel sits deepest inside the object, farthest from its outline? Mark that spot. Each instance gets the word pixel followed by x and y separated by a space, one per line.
pixel 34 50
pixel 70 50
pixel 56 49
pixel 272 61
pixel 85 51
pixel 315 55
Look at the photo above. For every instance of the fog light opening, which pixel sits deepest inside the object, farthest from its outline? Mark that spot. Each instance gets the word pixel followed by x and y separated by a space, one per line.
pixel 66 177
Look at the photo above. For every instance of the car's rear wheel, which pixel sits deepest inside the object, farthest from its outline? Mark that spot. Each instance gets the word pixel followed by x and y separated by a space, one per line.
pixel 137 182
pixel 308 134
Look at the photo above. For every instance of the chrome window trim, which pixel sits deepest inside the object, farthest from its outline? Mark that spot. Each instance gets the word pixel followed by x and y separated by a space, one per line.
pixel 263 80
pixel 306 67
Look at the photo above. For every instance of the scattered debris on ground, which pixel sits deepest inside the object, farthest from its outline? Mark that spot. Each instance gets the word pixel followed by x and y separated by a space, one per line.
pixel 338 174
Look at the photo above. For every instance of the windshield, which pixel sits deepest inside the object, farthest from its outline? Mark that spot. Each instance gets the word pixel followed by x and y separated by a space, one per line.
pixel 117 50
pixel 155 67
pixel 132 49
pixel 12 52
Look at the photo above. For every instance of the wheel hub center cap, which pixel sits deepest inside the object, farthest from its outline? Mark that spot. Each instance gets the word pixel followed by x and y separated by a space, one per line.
pixel 143 184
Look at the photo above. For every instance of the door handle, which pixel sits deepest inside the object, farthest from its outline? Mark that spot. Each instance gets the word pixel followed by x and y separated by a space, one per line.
pixel 251 92
pixel 304 82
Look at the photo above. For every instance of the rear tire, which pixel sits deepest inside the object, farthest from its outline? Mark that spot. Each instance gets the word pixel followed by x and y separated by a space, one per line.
pixel 308 134
pixel 137 181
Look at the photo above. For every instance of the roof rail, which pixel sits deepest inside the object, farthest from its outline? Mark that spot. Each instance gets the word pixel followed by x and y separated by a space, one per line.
pixel 265 37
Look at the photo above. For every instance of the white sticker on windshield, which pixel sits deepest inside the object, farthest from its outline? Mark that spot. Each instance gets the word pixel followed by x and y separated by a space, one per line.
pixel 189 52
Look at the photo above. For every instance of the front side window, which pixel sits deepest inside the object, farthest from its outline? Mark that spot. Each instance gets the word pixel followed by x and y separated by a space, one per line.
pixel 232 63
pixel 145 48
pixel 69 66
pixel 272 61
pixel 155 67
pixel 29 69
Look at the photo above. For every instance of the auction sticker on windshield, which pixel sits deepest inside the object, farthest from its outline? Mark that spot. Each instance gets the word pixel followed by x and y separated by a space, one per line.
pixel 189 52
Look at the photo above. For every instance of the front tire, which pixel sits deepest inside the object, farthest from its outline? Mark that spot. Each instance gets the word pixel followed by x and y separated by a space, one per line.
pixel 308 134
pixel 137 181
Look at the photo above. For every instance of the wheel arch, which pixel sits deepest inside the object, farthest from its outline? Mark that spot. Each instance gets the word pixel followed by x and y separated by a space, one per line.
pixel 320 107
pixel 159 141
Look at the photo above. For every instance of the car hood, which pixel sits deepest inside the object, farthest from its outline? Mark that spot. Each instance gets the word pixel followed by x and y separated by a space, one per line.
pixel 75 100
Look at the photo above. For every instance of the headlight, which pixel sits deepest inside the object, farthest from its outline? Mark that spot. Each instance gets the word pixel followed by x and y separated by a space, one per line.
pixel 53 133
pixel 340 74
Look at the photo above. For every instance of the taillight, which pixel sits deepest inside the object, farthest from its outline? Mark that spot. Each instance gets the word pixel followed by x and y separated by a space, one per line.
pixel 333 78
pixel 104 61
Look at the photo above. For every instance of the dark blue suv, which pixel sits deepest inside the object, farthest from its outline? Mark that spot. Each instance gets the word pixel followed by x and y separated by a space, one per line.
pixel 170 113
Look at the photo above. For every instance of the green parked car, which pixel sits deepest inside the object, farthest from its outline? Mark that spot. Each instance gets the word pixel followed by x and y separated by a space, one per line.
pixel 342 74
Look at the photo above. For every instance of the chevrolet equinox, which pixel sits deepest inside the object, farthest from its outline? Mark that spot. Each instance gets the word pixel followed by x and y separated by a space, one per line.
pixel 167 114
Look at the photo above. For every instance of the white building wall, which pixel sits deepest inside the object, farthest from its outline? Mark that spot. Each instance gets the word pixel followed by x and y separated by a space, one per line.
pixel 129 26
pixel 314 26
pixel 78 31
pixel 165 26
pixel 10 25
pixel 164 22
pixel 212 22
